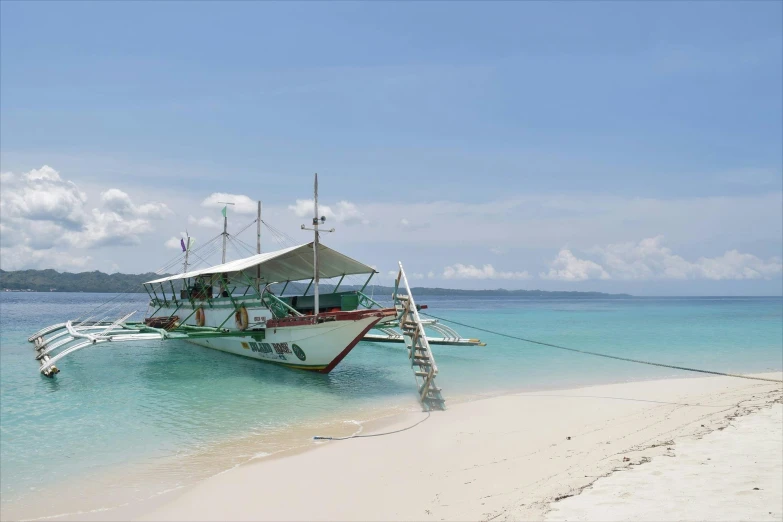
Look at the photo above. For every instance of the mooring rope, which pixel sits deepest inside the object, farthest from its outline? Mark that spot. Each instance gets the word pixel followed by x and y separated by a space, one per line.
pixel 597 354
pixel 321 437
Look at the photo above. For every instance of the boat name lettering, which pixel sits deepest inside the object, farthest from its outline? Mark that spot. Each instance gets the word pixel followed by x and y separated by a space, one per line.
pixel 281 348
pixel 261 347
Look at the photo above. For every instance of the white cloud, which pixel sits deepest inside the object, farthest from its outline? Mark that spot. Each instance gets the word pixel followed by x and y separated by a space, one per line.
pixel 24 257
pixel 174 243
pixel 649 259
pixel 735 265
pixel 241 203
pixel 345 212
pixel 43 215
pixel 416 275
pixel 566 267
pixel 430 275
pixel 206 222
pixel 42 195
pixel 498 251
pixel 460 271
pixel 120 203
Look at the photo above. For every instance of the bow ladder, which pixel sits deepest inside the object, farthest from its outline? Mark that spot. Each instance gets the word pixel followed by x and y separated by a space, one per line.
pixel 422 360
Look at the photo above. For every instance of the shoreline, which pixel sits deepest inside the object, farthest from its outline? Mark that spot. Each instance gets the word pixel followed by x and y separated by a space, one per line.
pixel 481 427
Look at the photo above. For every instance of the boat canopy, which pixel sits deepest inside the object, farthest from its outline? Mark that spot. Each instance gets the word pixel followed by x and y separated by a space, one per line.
pixel 289 264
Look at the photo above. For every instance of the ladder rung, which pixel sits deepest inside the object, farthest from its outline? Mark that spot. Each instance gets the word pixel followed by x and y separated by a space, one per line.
pixel 421 374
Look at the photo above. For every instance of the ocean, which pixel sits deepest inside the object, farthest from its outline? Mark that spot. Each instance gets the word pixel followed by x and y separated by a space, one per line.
pixel 126 422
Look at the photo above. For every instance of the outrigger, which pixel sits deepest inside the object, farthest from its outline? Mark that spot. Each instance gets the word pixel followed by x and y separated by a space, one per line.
pixel 232 307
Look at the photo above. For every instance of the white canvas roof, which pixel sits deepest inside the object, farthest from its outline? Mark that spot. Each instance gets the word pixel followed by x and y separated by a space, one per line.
pixel 289 264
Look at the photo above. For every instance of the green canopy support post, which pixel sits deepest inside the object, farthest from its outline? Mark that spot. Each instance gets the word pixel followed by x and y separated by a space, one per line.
pixel 250 285
pixel 157 300
pixel 227 318
pixel 163 293
pixel 338 284
pixel 182 323
pixel 174 294
pixel 190 294
pixel 367 282
pixel 308 286
pixel 229 291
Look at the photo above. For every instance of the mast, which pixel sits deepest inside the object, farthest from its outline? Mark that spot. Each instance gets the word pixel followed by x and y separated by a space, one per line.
pixel 187 251
pixel 316 308
pixel 315 229
pixel 258 230
pixel 225 227
pixel 185 268
pixel 258 247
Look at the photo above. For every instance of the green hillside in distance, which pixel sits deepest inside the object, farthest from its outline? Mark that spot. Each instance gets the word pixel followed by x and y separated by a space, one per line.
pixel 53 281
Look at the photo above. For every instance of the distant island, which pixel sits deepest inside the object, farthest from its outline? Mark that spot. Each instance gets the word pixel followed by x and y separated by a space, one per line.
pixel 98 282
pixel 54 281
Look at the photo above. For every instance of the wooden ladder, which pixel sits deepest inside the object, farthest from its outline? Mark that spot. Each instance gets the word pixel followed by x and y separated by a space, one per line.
pixel 422 360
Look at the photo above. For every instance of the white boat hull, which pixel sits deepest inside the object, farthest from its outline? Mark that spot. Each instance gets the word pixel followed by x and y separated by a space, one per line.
pixel 317 347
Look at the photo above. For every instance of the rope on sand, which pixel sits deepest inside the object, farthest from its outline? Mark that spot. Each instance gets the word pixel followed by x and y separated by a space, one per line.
pixel 319 437
pixel 607 356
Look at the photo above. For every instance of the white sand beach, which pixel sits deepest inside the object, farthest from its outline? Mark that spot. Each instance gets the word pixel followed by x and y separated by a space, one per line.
pixel 730 474
pixel 677 449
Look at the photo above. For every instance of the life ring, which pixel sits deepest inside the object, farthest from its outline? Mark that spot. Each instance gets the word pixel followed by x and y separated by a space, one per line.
pixel 200 317
pixel 240 318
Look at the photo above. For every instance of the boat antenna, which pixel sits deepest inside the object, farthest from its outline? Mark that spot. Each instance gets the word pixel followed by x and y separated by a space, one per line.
pixel 316 219
pixel 225 227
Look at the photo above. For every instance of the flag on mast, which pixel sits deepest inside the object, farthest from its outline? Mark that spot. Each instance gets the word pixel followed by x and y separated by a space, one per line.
pixel 182 244
pixel 224 211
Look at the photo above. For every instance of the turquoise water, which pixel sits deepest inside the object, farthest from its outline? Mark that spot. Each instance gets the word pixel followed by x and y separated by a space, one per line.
pixel 160 410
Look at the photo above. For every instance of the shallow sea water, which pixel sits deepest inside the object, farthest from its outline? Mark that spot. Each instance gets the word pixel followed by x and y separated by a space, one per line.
pixel 133 420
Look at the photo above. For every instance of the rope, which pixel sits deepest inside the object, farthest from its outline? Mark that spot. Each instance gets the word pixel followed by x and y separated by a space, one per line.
pixel 319 437
pixel 597 354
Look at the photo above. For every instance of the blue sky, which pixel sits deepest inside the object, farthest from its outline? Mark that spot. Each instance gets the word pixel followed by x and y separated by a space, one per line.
pixel 567 145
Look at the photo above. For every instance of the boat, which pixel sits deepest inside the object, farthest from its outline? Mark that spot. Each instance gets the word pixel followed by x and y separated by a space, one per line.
pixel 242 307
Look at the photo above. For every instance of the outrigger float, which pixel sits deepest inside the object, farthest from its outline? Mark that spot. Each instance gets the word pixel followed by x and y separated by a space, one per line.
pixel 231 307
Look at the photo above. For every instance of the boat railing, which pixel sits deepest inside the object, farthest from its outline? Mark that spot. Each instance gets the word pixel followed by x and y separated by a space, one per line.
pixel 278 307
pixel 367 301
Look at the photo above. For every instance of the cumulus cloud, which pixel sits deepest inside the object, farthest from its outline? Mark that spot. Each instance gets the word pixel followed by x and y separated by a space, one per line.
pixel 42 195
pixel 43 215
pixel 344 211
pixel 174 242
pixel 567 267
pixel 206 222
pixel 460 271
pixel 649 259
pixel 241 203
pixel 23 256
pixel 120 203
